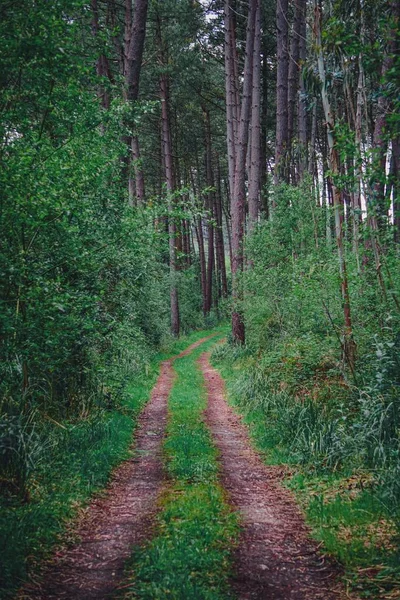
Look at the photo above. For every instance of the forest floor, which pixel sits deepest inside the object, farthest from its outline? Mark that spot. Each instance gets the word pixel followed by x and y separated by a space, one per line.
pixel 269 556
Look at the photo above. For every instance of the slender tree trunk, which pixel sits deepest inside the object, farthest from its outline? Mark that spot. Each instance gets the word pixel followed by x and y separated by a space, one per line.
pixel 312 165
pixel 200 242
pixel 102 64
pixel 255 146
pixel 358 163
pixel 301 107
pixel 396 187
pixel 210 209
pixel 377 208
pixel 220 235
pixel 231 86
pixel 202 260
pixel 264 126
pixel 139 192
pixel 281 92
pixel 349 346
pixel 169 178
pixel 228 221
pixel 293 80
pixel 135 33
pixel 239 192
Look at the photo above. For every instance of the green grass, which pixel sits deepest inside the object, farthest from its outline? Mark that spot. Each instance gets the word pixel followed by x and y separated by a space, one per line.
pixel 348 518
pixel 189 557
pixel 342 504
pixel 76 462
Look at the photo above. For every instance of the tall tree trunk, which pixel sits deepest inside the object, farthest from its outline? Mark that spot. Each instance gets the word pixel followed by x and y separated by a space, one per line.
pixel 135 33
pixel 202 261
pixel 169 178
pixel 239 191
pixel 293 81
pixel 139 176
pixel 396 187
pixel 231 86
pixel 358 163
pixel 255 132
pixel 264 127
pixel 377 208
pixel 313 164
pixel 301 107
pixel 281 92
pixel 220 235
pixel 102 64
pixel 210 209
pixel 349 347
pixel 198 223
pixel 228 221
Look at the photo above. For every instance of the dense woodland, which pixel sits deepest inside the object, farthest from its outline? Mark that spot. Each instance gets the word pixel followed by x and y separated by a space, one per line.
pixel 173 164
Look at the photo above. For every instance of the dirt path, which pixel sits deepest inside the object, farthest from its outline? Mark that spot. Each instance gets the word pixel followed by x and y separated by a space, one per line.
pixel 112 524
pixel 275 559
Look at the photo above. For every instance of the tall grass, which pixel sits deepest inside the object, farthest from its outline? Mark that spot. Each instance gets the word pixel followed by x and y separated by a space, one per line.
pixel 342 443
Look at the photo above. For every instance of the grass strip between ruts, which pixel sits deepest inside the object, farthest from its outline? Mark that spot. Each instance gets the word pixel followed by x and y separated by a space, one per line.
pixel 189 557
pixel 78 463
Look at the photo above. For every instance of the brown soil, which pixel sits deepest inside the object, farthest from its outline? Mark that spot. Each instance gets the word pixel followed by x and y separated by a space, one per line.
pixel 275 558
pixel 120 519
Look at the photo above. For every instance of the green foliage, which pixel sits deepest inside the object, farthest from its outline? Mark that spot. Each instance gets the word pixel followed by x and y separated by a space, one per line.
pixel 83 277
pixel 304 408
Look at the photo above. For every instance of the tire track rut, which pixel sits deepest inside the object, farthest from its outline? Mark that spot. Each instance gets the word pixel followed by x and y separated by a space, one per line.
pixel 275 558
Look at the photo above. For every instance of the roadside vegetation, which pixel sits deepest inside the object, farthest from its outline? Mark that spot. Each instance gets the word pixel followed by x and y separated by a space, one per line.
pixel 195 531
pixel 63 464
pixel 336 430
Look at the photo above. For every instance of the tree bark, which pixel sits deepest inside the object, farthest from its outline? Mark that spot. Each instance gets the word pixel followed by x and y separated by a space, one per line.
pixel 239 192
pixel 231 86
pixel 202 261
pixel 135 33
pixel 302 112
pixel 220 234
pixel 198 223
pixel 376 204
pixel 210 210
pixel 280 173
pixel 264 128
pixel 356 197
pixel 255 132
pixel 102 64
pixel 138 169
pixel 170 183
pixel 349 347
pixel 396 187
pixel 293 81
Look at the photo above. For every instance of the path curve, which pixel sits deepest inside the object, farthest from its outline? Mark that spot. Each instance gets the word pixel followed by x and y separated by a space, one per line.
pixel 275 558
pixel 112 524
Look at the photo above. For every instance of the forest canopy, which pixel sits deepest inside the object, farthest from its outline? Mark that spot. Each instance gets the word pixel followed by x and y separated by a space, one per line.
pixel 172 164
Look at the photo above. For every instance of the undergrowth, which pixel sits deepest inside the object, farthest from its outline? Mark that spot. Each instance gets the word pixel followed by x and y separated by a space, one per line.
pixel 333 424
pixel 189 557
pixel 62 465
pixel 341 460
